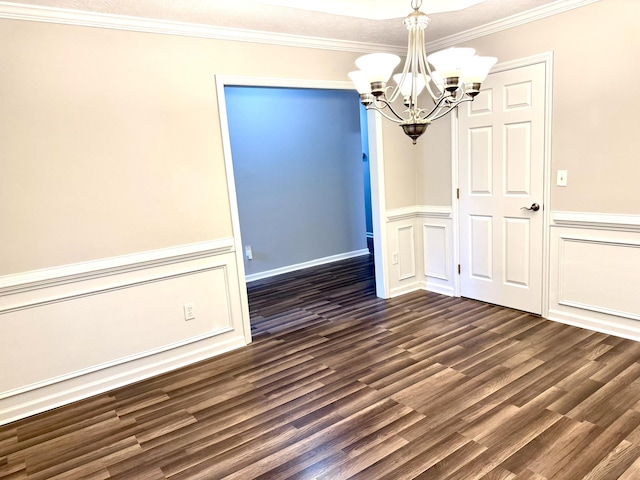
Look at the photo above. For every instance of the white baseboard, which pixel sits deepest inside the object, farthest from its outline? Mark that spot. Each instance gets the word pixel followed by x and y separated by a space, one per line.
pixel 312 263
pixel 56 395
pixel 404 289
pixel 435 288
pixel 589 322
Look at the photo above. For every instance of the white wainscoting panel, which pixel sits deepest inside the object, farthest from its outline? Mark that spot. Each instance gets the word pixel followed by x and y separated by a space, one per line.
pixel 436 256
pixel 402 256
pixel 585 263
pixel 422 238
pixel 78 330
pixel 595 272
pixel 437 245
pixel 406 252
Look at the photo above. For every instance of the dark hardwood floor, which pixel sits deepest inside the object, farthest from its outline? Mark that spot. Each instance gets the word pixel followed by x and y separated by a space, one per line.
pixel 340 384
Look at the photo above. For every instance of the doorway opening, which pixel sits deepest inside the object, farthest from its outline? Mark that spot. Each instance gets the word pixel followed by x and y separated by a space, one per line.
pixel 306 214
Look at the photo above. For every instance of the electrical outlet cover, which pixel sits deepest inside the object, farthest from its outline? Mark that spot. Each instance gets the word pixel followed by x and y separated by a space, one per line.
pixel 189 311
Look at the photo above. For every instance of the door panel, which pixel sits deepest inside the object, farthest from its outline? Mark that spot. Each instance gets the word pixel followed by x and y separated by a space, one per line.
pixel 501 145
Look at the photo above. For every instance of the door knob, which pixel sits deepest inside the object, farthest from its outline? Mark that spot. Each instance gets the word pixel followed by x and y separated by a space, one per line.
pixel 534 207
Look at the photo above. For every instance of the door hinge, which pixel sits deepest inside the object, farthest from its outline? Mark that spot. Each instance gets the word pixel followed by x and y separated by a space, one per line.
pixel 459 269
pixel 458 193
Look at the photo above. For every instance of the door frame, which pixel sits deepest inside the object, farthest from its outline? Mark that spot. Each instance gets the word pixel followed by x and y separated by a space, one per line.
pixel 375 163
pixel 545 58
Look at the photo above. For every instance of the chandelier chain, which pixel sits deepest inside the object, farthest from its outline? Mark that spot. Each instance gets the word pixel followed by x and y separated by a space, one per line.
pixel 416 4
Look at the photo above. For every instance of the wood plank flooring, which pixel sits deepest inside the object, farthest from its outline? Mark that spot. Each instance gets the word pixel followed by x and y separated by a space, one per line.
pixel 339 384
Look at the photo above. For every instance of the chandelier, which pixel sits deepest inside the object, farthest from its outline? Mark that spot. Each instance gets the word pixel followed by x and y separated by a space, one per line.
pixel 456 77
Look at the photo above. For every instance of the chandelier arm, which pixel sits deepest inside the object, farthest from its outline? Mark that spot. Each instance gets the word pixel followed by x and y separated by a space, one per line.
pixel 385 115
pixel 462 100
pixel 425 67
pixel 444 84
pixel 386 104
pixel 405 70
pixel 436 108
pixel 417 36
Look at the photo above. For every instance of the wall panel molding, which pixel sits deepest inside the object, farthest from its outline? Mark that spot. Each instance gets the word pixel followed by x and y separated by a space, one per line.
pixel 79 330
pixel 601 221
pixel 406 252
pixel 419 211
pixel 594 272
pixel 49 277
pixel 436 248
pixel 431 250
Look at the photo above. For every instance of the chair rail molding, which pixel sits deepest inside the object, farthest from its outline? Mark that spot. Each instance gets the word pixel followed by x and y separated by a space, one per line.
pixel 608 221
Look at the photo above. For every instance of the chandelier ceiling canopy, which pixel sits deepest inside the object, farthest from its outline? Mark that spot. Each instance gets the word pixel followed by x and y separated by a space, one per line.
pixel 449 77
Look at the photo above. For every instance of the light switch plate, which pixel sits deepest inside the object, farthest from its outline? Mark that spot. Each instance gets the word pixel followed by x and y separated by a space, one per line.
pixel 562 178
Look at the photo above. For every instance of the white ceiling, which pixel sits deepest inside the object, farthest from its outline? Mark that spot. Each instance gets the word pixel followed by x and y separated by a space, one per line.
pixel 261 15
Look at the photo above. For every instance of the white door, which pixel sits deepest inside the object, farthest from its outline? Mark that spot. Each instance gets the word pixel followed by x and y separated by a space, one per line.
pixel 501 174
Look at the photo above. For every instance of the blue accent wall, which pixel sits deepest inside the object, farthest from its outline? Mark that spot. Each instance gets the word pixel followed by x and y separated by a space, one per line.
pixel 298 166
pixel 366 170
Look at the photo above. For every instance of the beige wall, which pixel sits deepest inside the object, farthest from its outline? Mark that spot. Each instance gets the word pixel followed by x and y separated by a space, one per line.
pixel 400 163
pixel 434 164
pixel 596 107
pixel 110 140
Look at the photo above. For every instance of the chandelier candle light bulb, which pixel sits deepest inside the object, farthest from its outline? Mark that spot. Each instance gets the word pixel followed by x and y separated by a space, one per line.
pixel 451 76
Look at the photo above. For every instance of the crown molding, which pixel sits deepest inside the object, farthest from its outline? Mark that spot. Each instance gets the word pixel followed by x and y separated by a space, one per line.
pixel 18 11
pixel 34 13
pixel 513 21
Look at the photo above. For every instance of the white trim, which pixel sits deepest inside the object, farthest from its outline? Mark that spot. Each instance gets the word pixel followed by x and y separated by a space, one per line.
pixel 233 201
pixel 378 204
pixel 447 267
pixel 49 277
pixel 411 251
pixel 66 16
pixel 418 211
pixel 120 375
pixel 606 221
pixel 433 211
pixel 532 15
pixel 595 324
pixel 437 288
pixel 236 80
pixel 596 308
pixel 561 274
pixel 404 289
pixel 455 201
pixel 81 292
pixel 547 58
pixel 311 263
pixel 113 363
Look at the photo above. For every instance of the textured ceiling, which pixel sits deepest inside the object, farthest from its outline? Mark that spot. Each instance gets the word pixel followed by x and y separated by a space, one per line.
pixel 254 15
